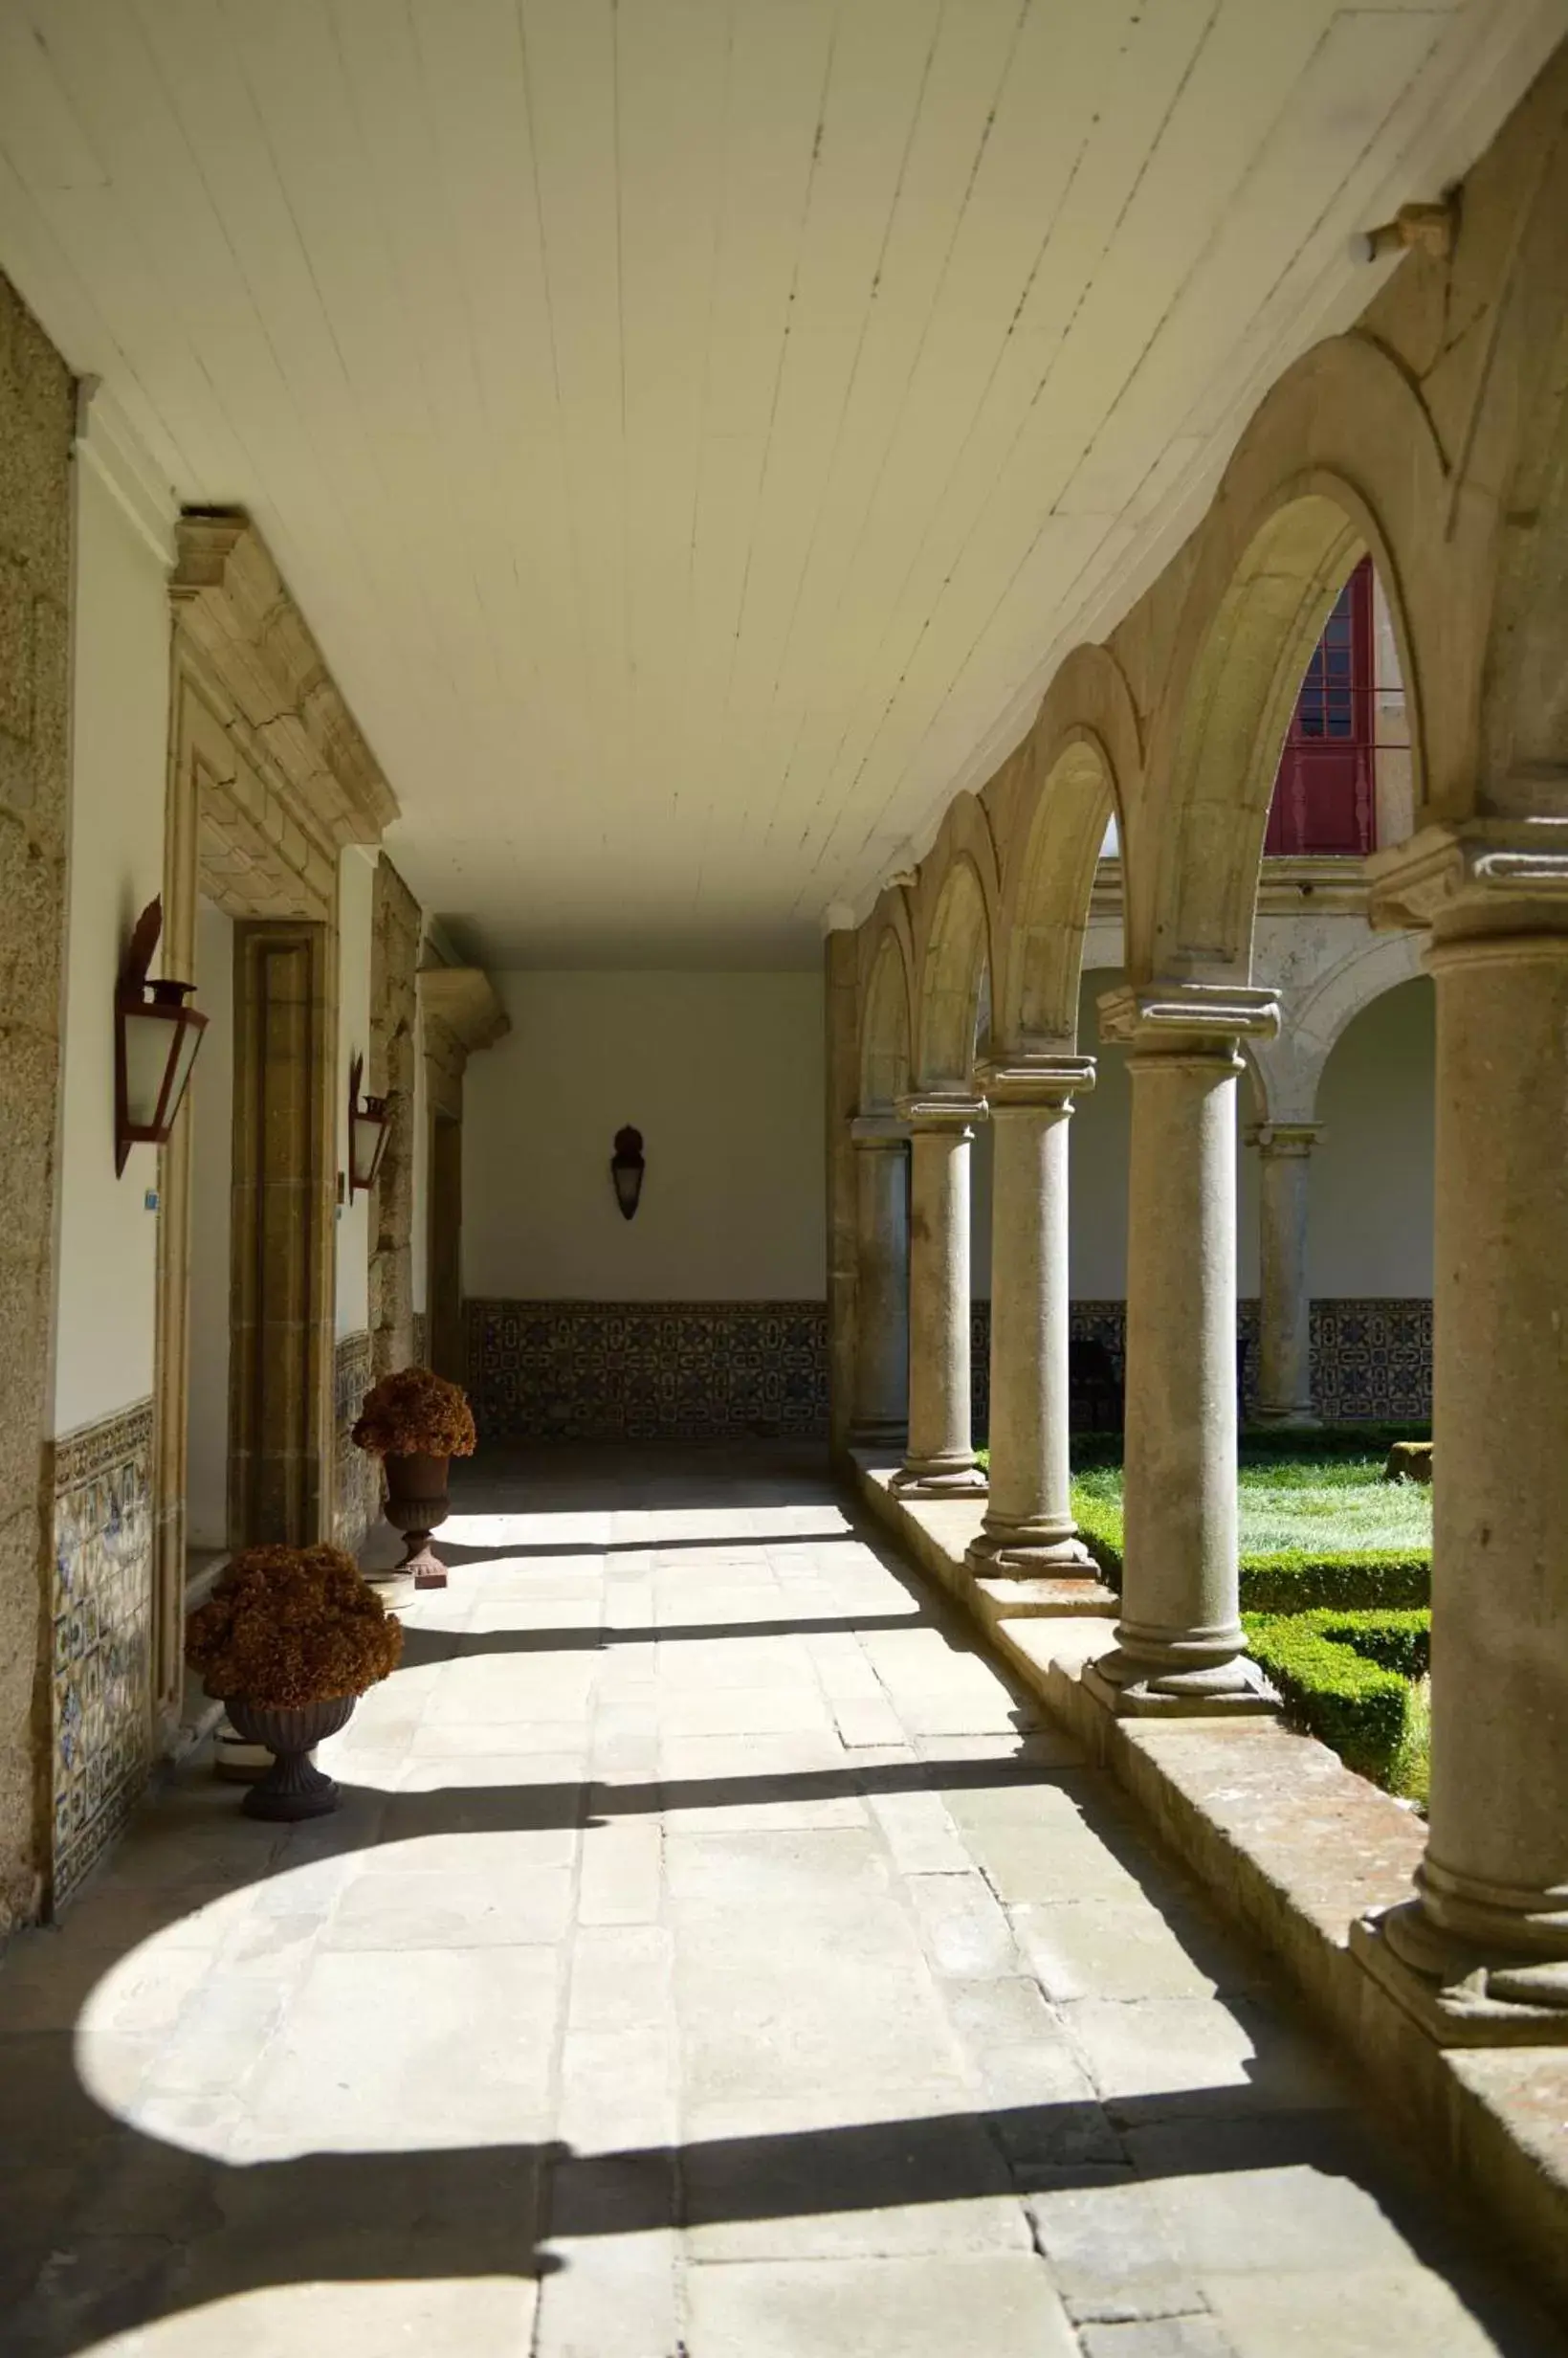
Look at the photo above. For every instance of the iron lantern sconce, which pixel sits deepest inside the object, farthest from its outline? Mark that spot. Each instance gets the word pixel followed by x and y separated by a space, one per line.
pixel 627 1168
pixel 369 1126
pixel 157 1034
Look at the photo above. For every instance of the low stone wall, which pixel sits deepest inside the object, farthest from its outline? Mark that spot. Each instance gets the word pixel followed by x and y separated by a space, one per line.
pixel 102 1605
pixel 700 1371
pixel 357 1487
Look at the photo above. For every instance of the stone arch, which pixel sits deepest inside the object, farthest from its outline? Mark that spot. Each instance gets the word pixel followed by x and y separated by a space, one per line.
pixel 959 886
pixel 1520 444
pixel 884 1024
pixel 1054 852
pixel 1340 461
pixel 1285 1072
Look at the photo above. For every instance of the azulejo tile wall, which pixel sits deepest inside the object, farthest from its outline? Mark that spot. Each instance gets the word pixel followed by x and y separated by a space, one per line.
pixel 672 1370
pixel 356 1490
pixel 103 1615
pixel 647 1370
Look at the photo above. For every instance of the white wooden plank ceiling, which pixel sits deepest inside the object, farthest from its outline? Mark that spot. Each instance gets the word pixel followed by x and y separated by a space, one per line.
pixel 696 428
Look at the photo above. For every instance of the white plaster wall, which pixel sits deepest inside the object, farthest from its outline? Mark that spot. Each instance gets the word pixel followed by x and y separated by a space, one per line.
pixel 723 1074
pixel 1370 1213
pixel 212 1204
pixel 356 898
pixel 119 718
pixel 1370 1230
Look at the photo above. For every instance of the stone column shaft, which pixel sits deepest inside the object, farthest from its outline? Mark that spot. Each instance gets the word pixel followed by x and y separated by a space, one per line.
pixel 880 1415
pixel 1180 1643
pixel 1029 1524
pixel 1481 1955
pixel 1285 1387
pixel 940 1457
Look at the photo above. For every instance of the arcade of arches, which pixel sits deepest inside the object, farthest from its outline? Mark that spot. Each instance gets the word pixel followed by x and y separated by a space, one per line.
pixel 1167 1038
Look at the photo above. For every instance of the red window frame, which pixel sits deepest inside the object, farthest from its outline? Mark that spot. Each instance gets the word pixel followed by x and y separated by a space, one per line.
pixel 1325 792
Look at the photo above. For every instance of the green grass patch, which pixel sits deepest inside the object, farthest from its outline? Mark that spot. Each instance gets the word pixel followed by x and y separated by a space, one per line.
pixel 1359 1681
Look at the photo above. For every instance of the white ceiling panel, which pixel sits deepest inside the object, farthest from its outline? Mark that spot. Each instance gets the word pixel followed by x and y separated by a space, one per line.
pixel 695 428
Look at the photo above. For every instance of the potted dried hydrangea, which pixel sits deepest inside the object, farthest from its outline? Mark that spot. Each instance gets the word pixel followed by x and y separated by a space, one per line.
pixel 289 1640
pixel 416 1423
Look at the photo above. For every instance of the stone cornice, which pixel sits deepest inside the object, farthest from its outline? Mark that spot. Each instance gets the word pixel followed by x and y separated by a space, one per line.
pixel 464 999
pixel 1150 1013
pixel 1039 1081
pixel 872 1130
pixel 235 608
pixel 1484 875
pixel 1285 1138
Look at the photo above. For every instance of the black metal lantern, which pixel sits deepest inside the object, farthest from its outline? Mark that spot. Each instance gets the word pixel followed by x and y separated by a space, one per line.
pixel 370 1126
pixel 625 1170
pixel 156 1039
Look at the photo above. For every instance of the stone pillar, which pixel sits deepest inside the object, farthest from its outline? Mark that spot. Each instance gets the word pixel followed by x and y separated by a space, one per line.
pixel 1029 1524
pixel 880 1416
pixel 1180 1644
pixel 1481 1954
pixel 1285 1387
pixel 941 1459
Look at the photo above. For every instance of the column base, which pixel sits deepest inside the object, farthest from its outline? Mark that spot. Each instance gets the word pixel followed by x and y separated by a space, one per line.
pixel 1298 1419
pixel 890 1434
pixel 939 1478
pixel 1139 1689
pixel 1461 1995
pixel 1032 1551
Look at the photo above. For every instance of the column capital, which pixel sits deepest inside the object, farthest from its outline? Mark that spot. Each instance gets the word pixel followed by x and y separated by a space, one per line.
pixel 940 1110
pixel 1186 1015
pixel 872 1130
pixel 1479 876
pixel 1045 1081
pixel 1285 1138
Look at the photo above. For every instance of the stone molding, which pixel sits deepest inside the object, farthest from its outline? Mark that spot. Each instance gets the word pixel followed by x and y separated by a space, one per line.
pixel 1284 1139
pixel 1043 1083
pixel 1146 1016
pixel 879 1130
pixel 237 612
pixel 464 1000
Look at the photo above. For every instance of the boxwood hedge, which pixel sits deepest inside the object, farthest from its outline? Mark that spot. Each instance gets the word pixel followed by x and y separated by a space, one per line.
pixel 1348 1678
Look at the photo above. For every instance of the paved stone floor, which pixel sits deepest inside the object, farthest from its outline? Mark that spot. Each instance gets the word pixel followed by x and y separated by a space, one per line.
pixel 713 1957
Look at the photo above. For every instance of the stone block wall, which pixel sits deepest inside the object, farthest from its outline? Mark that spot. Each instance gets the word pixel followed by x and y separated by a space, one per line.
pixel 357 1487
pixel 36 424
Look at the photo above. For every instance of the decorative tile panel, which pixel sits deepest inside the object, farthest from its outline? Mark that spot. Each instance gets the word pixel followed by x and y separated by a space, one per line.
pixel 357 1489
pixel 102 1631
pixel 647 1370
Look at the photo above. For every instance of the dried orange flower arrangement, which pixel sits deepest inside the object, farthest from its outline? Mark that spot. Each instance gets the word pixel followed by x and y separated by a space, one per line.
pixel 414 1413
pixel 289 1626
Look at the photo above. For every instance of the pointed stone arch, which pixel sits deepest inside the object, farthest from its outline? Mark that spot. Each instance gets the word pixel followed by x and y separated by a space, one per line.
pixel 955 957
pixel 885 1024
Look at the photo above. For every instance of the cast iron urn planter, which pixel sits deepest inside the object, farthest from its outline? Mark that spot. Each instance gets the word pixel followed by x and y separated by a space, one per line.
pixel 293 1787
pixel 417 1504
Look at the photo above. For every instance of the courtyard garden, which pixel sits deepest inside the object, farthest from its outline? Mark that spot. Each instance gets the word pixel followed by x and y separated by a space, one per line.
pixel 1336 1586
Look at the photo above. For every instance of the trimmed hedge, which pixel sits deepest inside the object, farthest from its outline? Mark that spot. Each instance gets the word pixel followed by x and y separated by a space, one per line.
pixel 1348 1677
pixel 1373 1580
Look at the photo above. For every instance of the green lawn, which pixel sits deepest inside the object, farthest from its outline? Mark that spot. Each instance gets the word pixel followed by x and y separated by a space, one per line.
pixel 1322 1506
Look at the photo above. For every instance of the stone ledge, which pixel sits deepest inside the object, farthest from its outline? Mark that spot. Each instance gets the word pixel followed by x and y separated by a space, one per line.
pixel 1293 1847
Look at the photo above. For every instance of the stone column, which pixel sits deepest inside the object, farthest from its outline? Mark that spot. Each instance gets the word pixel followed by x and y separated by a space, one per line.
pixel 1285 1388
pixel 941 1460
pixel 1482 1953
pixel 1029 1524
pixel 1180 1644
pixel 880 1415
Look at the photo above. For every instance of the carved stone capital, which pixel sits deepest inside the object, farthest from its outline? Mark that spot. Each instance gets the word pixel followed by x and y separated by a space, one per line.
pixel 938 1109
pixel 1047 1082
pixel 1484 876
pixel 1284 1139
pixel 1194 1017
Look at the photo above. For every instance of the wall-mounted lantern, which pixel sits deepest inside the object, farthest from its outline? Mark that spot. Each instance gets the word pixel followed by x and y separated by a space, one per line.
pixel 625 1170
pixel 156 1039
pixel 369 1126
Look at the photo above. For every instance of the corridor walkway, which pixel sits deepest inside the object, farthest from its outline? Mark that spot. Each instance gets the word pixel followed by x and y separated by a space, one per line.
pixel 713 1958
